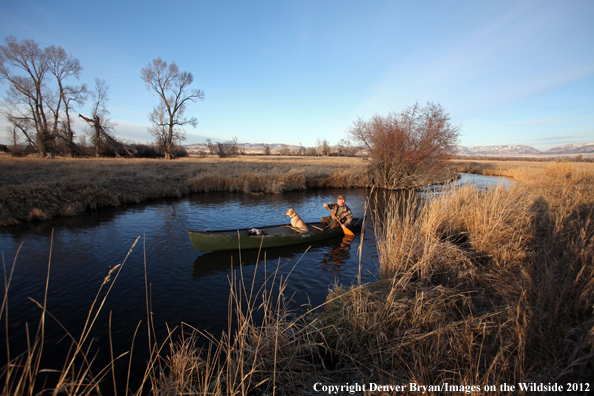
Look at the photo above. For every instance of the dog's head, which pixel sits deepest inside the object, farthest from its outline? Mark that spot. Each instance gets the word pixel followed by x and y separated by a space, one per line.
pixel 290 212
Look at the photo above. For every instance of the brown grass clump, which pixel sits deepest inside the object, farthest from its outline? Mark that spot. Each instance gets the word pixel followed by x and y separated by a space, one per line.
pixel 480 288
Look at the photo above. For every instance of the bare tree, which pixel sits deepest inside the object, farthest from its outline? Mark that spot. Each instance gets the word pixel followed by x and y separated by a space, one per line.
pixel 20 124
pixel 27 85
pixel 211 146
pixel 311 152
pixel 301 150
pixel 63 65
pixel 172 88
pixel 346 149
pixel 284 150
pixel 227 149
pixel 267 149
pixel 159 129
pixel 101 123
pixel 323 147
pixel 407 149
pixel 32 95
pixel 103 129
pixel 76 95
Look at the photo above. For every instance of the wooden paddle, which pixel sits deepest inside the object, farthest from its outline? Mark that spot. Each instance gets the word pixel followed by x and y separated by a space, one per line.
pixel 346 230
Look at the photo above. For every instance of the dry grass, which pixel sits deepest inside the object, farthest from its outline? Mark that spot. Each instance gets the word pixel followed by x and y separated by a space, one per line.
pixel 480 288
pixel 511 168
pixel 37 189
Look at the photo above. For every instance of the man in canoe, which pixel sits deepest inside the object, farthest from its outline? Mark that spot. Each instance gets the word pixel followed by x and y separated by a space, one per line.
pixel 340 211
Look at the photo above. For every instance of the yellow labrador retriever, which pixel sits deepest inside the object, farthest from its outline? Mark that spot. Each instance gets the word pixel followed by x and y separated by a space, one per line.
pixel 296 221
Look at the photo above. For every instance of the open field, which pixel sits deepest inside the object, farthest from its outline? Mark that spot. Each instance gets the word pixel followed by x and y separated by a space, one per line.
pixel 513 169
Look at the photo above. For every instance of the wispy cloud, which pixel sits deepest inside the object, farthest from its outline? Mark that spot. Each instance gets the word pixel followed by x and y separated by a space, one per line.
pixel 549 81
pixel 549 121
pixel 474 71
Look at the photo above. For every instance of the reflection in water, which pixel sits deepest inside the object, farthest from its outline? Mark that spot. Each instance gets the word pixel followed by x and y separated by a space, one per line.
pixel 339 253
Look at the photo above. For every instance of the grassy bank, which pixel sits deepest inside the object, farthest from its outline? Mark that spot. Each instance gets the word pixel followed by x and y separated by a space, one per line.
pixel 517 169
pixel 37 189
pixel 481 288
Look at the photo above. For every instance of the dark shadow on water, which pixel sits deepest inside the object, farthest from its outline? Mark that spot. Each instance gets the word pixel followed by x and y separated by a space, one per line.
pixel 335 252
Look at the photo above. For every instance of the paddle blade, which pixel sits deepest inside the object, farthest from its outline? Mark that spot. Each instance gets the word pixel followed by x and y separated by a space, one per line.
pixel 346 230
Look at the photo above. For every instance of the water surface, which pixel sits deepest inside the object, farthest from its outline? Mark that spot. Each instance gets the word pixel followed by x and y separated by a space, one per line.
pixel 184 285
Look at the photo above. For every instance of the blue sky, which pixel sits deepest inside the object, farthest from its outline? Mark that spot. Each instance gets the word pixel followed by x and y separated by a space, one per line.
pixel 509 72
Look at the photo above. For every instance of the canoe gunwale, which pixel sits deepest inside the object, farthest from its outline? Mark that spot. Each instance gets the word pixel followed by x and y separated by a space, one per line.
pixel 212 240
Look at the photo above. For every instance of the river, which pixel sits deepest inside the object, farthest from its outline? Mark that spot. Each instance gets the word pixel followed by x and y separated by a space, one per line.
pixel 184 285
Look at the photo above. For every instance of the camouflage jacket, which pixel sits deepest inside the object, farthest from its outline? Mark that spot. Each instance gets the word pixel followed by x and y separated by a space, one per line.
pixel 343 213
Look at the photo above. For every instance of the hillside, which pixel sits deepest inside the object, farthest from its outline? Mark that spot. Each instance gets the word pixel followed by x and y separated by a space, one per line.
pixel 583 149
pixel 509 150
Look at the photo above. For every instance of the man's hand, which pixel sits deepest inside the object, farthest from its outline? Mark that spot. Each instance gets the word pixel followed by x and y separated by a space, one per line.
pixel 326 206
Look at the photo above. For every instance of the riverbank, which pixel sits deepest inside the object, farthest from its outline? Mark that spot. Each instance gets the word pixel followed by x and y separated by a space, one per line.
pixel 483 288
pixel 39 189
pixel 517 169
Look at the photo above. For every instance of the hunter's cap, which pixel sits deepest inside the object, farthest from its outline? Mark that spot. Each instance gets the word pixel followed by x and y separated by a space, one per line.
pixel 341 197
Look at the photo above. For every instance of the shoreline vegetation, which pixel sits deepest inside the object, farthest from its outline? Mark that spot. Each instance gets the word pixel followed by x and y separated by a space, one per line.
pixel 476 290
pixel 40 189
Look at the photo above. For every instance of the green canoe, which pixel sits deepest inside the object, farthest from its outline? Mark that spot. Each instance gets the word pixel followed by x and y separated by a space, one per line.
pixel 277 235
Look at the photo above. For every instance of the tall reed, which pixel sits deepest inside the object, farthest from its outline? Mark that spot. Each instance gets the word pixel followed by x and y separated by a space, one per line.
pixel 27 374
pixel 480 288
pixel 266 349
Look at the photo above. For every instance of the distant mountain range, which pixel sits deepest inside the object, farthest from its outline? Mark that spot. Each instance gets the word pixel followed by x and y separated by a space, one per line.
pixel 509 150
